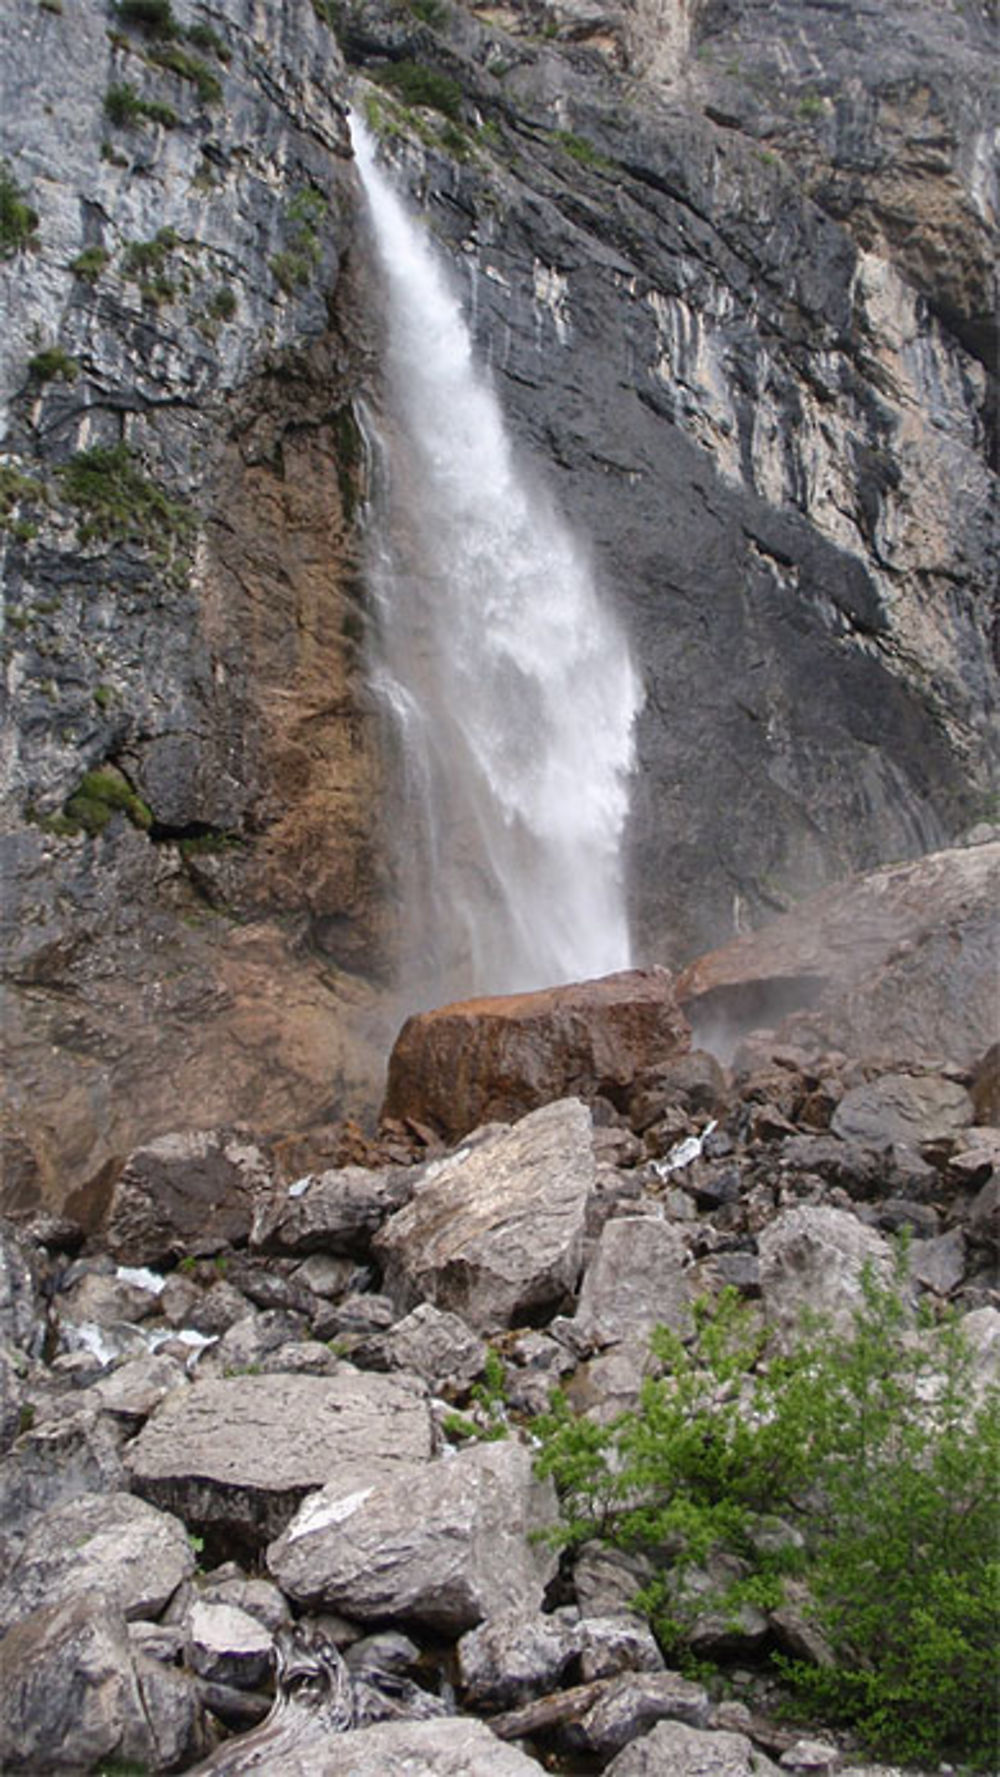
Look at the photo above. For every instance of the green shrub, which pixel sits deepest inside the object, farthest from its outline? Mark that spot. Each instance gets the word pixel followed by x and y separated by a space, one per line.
pixel 291 270
pixel 18 221
pixel 154 16
pixel 417 85
pixel 897 1543
pixel 89 264
pixel 207 84
pixel 123 106
pixel 15 488
pixel 294 266
pixel 203 37
pixel 98 796
pixel 53 363
pixel 118 503
pixel 223 305
pixel 580 150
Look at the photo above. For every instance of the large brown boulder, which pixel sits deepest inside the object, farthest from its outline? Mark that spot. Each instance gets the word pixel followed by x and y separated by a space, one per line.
pixel 901 964
pixel 492 1060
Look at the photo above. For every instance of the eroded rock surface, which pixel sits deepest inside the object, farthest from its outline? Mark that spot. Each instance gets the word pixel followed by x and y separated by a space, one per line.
pixel 445 1545
pixel 241 1452
pixel 494 1059
pixel 495 1233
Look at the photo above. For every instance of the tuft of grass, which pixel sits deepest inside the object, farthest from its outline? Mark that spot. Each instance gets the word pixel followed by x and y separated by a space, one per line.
pixel 89 264
pixel 223 305
pixel 119 504
pixel 145 262
pixel 417 85
pixel 53 364
pixel 14 489
pixel 203 37
pixel 124 107
pixel 580 150
pixel 153 16
pixel 99 795
pixel 18 221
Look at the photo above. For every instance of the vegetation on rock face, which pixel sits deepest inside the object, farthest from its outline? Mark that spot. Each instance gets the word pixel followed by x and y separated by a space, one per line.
pixel 15 488
pixel 118 503
pixel 859 1466
pixel 99 795
pixel 53 363
pixel 89 264
pixel 417 85
pixel 18 221
pixel 124 106
pixel 295 265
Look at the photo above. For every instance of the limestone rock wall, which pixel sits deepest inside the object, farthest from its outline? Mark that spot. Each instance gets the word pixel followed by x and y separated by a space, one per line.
pixel 748 343
pixel 183 303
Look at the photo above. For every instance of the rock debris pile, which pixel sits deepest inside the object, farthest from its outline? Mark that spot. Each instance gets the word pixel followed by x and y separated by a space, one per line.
pixel 239 1533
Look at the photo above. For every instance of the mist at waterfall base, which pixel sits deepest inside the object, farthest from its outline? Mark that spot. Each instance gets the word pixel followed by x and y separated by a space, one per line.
pixel 508 683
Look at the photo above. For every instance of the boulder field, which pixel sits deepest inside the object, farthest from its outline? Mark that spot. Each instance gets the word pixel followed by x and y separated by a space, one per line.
pixel 268 1483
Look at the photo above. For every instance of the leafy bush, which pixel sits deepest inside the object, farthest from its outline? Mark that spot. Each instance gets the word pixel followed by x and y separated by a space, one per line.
pixel 118 503
pixel 89 264
pixel 98 796
pixel 884 1476
pixel 188 67
pixel 417 85
pixel 53 362
pixel 18 221
pixel 124 106
pixel 154 16
pixel 582 151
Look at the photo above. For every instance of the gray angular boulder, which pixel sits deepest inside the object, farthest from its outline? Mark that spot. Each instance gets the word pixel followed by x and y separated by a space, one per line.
pixel 911 1109
pixel 433 1344
pixel 112 1544
pixel 450 1747
pixel 634 1281
pixel 241 1452
pixel 192 1192
pixel 495 1232
pixel 811 1258
pixel 444 1545
pixel 226 1645
pixel 673 1749
pixel 516 1654
pixel 76 1453
pixel 75 1692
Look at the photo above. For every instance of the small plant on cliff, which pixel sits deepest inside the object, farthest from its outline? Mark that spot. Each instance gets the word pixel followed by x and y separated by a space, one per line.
pixel 15 490
pixel 489 1401
pixel 294 266
pixel 124 106
pixel 897 1543
pixel 99 795
pixel 89 264
pixel 18 221
pixel 187 67
pixel 118 503
pixel 417 85
pixel 53 364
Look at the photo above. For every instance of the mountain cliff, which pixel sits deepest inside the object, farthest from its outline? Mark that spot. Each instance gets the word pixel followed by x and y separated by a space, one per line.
pixel 731 266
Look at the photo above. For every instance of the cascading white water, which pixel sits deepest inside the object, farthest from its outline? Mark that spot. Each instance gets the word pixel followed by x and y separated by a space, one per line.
pixel 510 683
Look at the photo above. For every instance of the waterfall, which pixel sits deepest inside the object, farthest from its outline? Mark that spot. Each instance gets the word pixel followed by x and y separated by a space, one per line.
pixel 508 680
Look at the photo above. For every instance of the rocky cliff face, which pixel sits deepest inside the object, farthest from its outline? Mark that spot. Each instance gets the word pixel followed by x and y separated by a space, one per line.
pixel 731 266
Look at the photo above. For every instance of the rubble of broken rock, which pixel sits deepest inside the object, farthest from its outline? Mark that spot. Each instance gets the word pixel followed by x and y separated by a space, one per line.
pixel 236 1534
